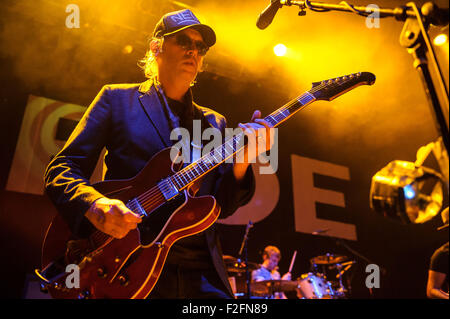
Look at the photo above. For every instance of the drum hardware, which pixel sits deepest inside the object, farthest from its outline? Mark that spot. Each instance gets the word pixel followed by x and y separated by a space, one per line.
pixel 341 292
pixel 266 288
pixel 328 259
pixel 234 265
pixel 328 263
pixel 243 251
pixel 236 270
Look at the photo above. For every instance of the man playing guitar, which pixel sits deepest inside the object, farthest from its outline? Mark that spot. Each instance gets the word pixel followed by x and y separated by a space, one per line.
pixel 133 122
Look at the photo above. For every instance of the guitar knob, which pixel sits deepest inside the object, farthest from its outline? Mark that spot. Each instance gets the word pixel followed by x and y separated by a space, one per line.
pixel 123 280
pixel 101 272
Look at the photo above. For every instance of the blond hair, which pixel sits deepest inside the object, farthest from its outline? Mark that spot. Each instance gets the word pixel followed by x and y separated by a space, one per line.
pixel 269 250
pixel 148 62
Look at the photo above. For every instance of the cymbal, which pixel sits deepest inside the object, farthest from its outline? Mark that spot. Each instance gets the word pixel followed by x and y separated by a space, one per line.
pixel 233 265
pixel 328 259
pixel 271 286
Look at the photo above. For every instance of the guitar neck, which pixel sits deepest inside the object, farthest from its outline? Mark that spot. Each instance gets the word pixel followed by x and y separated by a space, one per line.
pixel 234 144
pixel 289 109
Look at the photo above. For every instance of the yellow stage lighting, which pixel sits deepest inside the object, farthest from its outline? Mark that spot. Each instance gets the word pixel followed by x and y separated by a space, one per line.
pixel 407 193
pixel 280 50
pixel 440 39
pixel 128 49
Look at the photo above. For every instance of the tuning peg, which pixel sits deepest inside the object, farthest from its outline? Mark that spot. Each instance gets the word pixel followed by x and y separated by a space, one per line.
pixel 101 272
pixel 123 280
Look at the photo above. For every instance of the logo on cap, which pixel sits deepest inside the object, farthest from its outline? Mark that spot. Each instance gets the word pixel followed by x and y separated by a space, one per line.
pixel 184 16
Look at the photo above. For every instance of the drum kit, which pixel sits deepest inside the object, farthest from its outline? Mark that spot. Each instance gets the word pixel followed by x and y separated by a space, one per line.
pixel 324 281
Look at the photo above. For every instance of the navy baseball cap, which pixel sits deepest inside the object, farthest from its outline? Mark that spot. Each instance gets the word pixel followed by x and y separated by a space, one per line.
pixel 176 21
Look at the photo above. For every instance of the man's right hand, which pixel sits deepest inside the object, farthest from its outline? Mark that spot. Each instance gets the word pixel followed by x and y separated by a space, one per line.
pixel 112 217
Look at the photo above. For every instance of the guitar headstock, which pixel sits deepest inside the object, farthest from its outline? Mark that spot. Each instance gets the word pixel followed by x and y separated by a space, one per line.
pixel 330 89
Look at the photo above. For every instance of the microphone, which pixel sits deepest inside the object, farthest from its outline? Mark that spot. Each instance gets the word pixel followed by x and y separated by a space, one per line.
pixel 437 16
pixel 265 18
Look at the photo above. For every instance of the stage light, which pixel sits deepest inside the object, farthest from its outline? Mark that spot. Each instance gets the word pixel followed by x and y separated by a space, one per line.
pixel 409 192
pixel 406 193
pixel 280 50
pixel 440 39
pixel 128 49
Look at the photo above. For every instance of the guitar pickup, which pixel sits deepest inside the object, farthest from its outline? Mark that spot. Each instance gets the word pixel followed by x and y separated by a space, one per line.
pixel 168 189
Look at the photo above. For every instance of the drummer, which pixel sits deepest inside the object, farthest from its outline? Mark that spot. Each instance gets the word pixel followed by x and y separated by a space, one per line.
pixel 269 269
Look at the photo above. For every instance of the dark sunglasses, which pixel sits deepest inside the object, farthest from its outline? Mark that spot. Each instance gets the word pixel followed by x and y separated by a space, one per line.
pixel 187 43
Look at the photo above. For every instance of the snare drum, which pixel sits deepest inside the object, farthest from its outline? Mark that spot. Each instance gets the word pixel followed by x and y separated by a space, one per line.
pixel 314 286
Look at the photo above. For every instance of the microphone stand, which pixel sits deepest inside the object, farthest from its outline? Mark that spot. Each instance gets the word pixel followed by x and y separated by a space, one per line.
pixel 414 37
pixel 355 253
pixel 243 250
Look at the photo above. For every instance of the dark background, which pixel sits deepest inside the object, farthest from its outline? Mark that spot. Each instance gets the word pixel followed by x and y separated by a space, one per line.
pixel 363 130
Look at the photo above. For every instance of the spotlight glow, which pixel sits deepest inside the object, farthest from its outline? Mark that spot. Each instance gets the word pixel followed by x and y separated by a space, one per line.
pixel 280 50
pixel 409 192
pixel 128 49
pixel 440 39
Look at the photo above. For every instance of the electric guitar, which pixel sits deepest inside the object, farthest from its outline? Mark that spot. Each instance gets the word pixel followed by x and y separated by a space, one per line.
pixel 163 194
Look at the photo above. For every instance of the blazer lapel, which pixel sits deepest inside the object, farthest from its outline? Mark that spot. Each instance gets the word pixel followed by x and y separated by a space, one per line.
pixel 155 111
